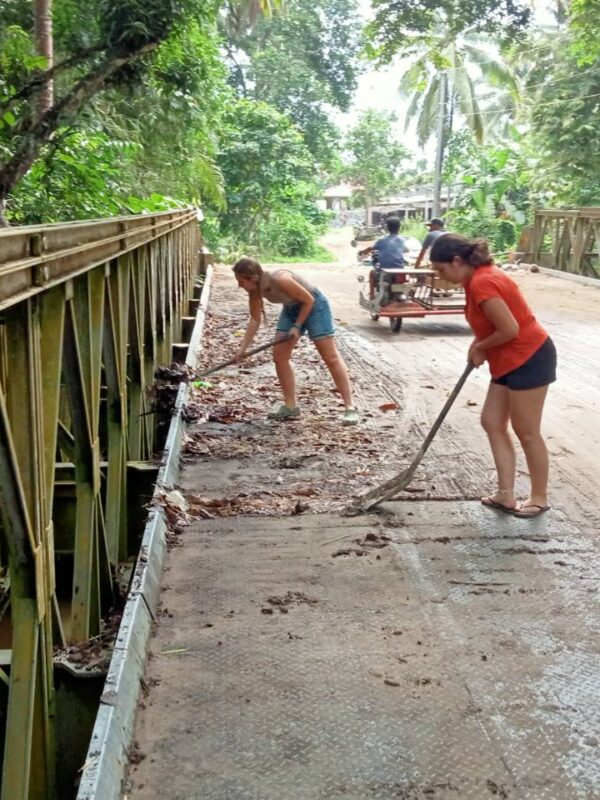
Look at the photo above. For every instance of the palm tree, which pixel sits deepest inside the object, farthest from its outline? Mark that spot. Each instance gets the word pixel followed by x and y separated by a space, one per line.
pixel 446 78
pixel 240 15
pixel 42 12
pixel 236 20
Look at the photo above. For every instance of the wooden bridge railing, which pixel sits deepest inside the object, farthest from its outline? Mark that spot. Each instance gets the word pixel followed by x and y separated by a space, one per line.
pixel 87 312
pixel 568 240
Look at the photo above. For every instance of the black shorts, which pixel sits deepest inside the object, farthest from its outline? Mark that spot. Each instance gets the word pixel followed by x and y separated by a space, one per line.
pixel 539 370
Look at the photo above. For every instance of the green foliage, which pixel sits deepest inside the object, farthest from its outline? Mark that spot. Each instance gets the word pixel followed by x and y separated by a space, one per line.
pixel 127 25
pixel 151 135
pixel 164 129
pixel 564 118
pixel 402 26
pixel 376 158
pixel 318 255
pixel 502 234
pixel 287 233
pixel 262 157
pixel 304 61
pixel 585 27
pixel 490 188
pixel 82 178
pixel 175 116
pixel 466 71
pixel 78 179
pixel 269 177
pixel 414 227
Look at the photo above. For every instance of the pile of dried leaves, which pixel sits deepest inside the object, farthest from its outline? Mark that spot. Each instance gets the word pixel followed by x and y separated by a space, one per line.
pixel 92 656
pixel 313 463
pixel 175 508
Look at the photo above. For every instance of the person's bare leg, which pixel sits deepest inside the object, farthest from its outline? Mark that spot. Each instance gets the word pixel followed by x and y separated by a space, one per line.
pixel 282 354
pixel 371 284
pixel 494 420
pixel 336 365
pixel 525 409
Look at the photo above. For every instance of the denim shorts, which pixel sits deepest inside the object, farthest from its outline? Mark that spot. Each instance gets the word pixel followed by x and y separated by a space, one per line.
pixel 539 370
pixel 319 322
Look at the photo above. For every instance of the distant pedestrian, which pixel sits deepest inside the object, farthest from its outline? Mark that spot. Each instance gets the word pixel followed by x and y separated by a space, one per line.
pixel 522 361
pixel 305 309
pixel 436 229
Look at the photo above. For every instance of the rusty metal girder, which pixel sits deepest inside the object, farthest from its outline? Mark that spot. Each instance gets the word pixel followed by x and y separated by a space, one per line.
pixel 88 311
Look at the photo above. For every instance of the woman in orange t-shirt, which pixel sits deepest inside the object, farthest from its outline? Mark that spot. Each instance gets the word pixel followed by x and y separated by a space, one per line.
pixel 522 361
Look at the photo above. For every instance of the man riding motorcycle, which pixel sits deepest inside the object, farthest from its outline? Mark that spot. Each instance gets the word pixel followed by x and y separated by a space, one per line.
pixel 388 253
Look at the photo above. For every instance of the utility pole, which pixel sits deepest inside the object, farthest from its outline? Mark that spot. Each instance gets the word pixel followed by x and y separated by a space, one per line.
pixel 439 155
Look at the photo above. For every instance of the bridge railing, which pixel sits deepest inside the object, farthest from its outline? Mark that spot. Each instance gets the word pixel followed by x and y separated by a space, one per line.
pixel 568 240
pixel 88 311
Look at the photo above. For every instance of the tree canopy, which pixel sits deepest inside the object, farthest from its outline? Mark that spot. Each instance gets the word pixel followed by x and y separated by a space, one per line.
pixel 123 106
pixel 305 62
pixel 399 26
pixel 375 157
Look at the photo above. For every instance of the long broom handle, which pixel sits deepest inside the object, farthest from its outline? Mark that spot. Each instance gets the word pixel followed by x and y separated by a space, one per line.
pixel 253 352
pixel 443 413
pixel 389 488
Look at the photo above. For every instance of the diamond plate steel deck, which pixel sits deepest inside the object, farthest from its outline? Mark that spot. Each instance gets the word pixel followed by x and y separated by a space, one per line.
pixel 461 661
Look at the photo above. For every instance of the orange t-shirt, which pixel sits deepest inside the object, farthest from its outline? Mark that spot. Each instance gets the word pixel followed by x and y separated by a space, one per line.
pixel 488 282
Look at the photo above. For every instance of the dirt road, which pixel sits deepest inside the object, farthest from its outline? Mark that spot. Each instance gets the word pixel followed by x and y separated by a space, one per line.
pixel 429 356
pixel 434 650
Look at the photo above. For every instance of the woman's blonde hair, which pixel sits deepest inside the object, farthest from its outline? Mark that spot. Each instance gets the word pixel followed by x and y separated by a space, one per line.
pixel 250 268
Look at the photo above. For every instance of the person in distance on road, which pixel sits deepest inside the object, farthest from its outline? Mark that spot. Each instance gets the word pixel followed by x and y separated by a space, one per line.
pixel 305 309
pixel 436 229
pixel 388 252
pixel 522 362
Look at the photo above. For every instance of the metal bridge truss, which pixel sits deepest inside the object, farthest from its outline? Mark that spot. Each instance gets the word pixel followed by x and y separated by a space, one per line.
pixel 87 312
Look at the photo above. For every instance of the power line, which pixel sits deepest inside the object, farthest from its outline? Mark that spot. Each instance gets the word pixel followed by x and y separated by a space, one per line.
pixel 531 50
pixel 535 105
pixel 564 78
pixel 577 74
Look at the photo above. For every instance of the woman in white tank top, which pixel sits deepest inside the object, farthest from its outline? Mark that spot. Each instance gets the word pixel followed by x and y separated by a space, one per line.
pixel 305 309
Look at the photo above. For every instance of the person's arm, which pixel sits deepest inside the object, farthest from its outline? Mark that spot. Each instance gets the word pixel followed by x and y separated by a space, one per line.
pixel 292 288
pixel 253 325
pixel 425 246
pixel 420 258
pixel 370 249
pixel 506 328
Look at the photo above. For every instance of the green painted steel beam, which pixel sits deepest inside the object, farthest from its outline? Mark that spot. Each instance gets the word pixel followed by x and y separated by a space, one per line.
pixel 78 350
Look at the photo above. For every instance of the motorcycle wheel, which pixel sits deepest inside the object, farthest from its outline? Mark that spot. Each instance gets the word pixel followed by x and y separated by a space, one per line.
pixel 395 324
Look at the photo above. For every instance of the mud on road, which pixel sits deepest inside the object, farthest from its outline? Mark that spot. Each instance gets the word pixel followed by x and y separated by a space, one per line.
pixel 434 650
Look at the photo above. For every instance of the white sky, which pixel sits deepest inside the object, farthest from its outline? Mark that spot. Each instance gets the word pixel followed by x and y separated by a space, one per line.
pixel 378 89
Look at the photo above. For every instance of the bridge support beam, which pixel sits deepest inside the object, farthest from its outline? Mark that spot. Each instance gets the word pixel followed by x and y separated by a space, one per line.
pixel 88 312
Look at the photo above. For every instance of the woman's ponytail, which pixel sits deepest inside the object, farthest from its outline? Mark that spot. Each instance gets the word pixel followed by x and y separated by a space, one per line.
pixel 475 252
pixel 480 253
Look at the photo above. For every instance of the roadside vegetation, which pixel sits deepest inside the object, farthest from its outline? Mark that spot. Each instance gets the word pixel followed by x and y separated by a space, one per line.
pixel 141 105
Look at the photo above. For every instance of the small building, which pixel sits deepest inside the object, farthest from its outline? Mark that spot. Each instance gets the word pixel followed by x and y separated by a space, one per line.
pixel 415 203
pixel 336 197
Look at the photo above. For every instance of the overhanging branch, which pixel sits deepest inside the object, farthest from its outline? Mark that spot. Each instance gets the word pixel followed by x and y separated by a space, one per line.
pixel 41 79
pixel 42 130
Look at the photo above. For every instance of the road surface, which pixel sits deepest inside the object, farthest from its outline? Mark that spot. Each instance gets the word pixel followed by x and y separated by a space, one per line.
pixel 434 651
